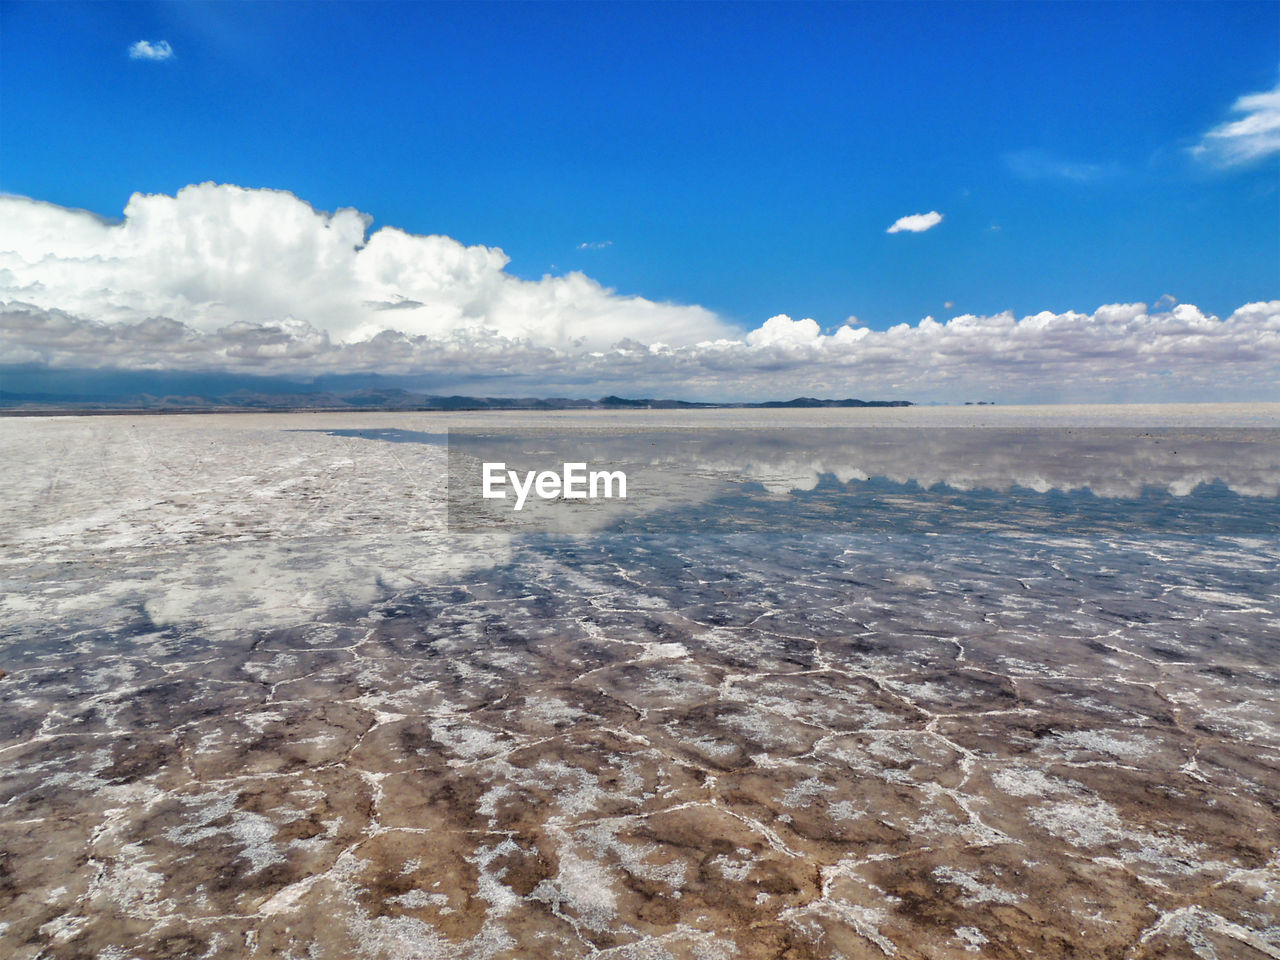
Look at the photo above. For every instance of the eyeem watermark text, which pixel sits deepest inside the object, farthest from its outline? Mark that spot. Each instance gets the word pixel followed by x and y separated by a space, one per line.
pixel 574 482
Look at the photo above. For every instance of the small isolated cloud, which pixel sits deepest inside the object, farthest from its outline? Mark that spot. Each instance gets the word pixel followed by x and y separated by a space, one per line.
pixel 1254 136
pixel 595 246
pixel 147 50
pixel 916 223
pixel 1039 165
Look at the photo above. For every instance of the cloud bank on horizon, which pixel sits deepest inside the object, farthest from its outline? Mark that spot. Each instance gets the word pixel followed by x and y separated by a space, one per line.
pixel 225 278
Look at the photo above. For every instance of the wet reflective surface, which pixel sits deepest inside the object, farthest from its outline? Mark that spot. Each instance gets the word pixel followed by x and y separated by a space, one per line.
pixel 1090 480
pixel 260 701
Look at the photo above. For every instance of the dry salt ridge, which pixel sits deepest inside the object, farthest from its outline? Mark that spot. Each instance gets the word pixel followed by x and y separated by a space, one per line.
pixel 260 701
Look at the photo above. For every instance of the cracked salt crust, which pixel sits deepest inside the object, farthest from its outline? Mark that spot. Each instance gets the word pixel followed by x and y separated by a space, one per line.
pixel 287 715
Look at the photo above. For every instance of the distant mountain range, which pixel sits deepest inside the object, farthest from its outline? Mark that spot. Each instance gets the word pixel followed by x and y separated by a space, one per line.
pixel 607 402
pixel 34 403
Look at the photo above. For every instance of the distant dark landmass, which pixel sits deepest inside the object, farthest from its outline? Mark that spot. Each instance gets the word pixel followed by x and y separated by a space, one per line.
pixel 28 389
pixel 645 404
pixel 811 402
pixel 34 404
pixel 247 402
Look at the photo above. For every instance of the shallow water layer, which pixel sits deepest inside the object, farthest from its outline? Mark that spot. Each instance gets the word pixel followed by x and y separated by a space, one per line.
pixel 260 701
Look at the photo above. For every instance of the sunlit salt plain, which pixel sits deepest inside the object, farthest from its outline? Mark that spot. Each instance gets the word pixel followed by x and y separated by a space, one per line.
pixel 259 701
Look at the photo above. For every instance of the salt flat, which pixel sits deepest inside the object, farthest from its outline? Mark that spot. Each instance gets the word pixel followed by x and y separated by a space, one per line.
pixel 261 701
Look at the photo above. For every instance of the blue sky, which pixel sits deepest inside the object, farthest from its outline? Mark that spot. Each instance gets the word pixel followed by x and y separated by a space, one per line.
pixel 747 158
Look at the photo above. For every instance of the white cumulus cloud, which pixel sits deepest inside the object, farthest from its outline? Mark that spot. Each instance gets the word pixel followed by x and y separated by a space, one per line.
pixel 1255 135
pixel 146 50
pixel 1119 352
pixel 256 281
pixel 217 255
pixel 916 222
